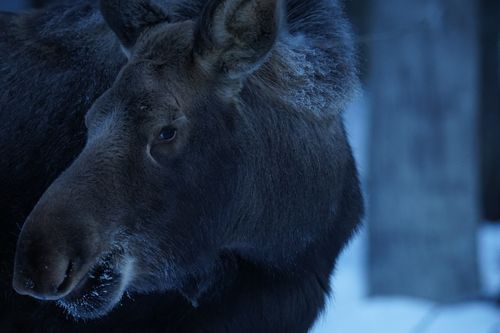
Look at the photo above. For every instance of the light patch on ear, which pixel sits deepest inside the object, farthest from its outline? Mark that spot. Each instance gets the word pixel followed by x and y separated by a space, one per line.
pixel 304 76
pixel 225 14
pixel 235 37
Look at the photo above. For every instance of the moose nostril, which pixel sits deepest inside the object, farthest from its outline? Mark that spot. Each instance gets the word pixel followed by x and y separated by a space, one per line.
pixel 29 284
pixel 66 280
pixel 48 281
pixel 23 286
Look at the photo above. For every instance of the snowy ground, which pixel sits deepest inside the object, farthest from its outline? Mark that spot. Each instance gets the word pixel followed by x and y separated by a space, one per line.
pixel 350 311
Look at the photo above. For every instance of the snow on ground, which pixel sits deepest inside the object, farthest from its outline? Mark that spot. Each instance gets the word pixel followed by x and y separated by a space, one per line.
pixel 489 259
pixel 351 311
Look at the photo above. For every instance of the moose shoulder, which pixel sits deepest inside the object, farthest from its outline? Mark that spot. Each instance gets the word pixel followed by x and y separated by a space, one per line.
pixel 215 175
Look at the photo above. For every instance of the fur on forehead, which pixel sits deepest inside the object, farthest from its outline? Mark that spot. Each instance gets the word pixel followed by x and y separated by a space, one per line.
pixel 167 43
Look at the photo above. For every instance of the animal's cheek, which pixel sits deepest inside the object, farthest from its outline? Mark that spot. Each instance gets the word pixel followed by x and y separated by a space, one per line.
pixel 164 155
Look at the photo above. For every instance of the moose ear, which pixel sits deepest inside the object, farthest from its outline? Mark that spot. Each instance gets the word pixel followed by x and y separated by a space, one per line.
pixel 129 18
pixel 234 37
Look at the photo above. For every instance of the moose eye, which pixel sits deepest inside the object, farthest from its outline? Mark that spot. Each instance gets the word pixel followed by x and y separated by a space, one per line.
pixel 167 134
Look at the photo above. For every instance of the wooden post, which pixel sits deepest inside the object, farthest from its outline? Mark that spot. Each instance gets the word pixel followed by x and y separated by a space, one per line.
pixel 423 207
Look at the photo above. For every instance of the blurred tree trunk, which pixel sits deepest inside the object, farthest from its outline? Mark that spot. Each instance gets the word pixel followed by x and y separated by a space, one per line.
pixel 423 208
pixel 13 5
pixel 490 110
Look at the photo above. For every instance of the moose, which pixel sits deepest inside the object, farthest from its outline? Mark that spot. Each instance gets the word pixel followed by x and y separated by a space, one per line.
pixel 174 166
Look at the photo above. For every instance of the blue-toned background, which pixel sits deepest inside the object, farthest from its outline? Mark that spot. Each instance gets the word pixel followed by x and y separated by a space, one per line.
pixel 425 129
pixel 15 4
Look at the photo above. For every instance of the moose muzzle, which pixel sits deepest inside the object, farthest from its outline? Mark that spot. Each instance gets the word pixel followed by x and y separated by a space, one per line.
pixel 55 250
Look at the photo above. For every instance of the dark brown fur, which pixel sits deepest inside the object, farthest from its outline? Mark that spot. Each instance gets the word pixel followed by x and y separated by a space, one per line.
pixel 240 217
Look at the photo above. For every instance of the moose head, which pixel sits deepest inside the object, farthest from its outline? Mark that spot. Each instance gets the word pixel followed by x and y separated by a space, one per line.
pixel 160 188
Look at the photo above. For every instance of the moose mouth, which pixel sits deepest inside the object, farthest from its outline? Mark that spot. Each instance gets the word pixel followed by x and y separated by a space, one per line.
pixel 100 289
